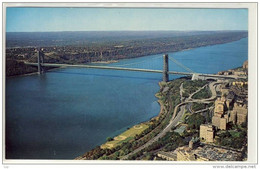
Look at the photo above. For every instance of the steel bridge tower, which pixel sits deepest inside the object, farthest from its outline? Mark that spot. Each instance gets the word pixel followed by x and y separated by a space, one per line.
pixel 40 57
pixel 165 68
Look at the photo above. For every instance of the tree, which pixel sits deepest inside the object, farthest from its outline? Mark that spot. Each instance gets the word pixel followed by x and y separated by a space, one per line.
pixel 110 139
pixel 244 125
pixel 194 121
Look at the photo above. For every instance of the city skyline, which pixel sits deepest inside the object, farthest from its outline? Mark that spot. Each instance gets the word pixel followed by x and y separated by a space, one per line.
pixel 124 19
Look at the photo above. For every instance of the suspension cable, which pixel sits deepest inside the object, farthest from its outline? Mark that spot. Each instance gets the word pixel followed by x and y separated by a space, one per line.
pixel 180 64
pixel 138 62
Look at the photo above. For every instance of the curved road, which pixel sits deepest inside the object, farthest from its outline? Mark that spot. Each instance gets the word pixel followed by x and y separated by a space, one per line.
pixel 191 95
pixel 176 118
pixel 173 122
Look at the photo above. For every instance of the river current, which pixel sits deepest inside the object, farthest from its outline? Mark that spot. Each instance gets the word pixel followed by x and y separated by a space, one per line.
pixel 66 112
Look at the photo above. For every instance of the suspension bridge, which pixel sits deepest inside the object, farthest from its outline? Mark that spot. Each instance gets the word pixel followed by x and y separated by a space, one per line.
pixel 165 71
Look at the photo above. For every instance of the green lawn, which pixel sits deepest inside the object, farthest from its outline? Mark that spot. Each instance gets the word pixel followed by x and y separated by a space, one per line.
pixel 126 136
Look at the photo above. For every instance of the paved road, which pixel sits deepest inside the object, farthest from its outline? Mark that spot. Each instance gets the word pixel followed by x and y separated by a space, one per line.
pixel 176 118
pixel 173 122
pixel 212 87
pixel 188 107
pixel 191 95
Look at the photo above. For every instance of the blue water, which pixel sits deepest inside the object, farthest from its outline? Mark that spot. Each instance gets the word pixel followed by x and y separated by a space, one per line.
pixel 66 112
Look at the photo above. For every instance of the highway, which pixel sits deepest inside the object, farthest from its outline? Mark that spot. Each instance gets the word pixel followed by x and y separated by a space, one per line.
pixel 173 122
pixel 177 117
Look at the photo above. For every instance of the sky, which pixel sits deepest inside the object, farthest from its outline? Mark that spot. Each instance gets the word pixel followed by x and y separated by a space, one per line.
pixel 123 19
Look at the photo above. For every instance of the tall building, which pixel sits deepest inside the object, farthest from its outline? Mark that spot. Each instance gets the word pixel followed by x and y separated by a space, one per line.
pixel 206 133
pixel 220 119
pixel 239 113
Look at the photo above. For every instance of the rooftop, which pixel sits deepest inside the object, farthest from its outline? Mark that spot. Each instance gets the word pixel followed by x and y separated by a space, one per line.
pixel 214 153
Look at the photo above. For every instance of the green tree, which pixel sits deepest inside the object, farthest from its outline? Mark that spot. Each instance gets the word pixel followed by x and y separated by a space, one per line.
pixel 195 120
pixel 110 139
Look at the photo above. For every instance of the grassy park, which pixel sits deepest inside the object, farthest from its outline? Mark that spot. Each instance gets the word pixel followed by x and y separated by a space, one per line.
pixel 126 136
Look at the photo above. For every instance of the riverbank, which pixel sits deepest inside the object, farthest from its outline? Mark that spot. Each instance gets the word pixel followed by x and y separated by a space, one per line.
pixel 73 96
pixel 169 99
pixel 33 73
pixel 128 146
pixel 33 70
pixel 168 118
pixel 133 131
pixel 114 59
pixel 124 137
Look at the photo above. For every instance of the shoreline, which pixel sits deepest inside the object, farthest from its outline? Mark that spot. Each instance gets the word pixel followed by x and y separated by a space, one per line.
pixel 116 61
pixel 155 117
pixel 160 103
pixel 32 73
pixel 161 85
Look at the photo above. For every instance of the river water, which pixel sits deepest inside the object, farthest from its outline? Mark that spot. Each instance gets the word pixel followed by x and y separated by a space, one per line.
pixel 66 112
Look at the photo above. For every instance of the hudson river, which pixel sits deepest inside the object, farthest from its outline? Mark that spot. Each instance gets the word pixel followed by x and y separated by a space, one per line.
pixel 66 112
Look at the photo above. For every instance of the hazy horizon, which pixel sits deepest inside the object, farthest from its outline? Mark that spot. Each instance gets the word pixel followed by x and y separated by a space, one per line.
pixel 23 19
pixel 136 31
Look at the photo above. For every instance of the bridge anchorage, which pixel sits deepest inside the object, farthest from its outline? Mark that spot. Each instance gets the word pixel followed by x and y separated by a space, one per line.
pixel 165 72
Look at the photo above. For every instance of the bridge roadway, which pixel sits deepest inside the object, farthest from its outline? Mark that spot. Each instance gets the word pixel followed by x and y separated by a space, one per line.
pixel 132 69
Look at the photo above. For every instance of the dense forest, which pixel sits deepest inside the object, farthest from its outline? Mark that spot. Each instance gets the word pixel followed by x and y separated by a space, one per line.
pixel 87 47
pixel 14 68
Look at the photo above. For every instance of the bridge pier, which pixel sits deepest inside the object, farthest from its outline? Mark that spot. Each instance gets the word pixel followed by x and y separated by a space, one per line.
pixel 40 62
pixel 165 68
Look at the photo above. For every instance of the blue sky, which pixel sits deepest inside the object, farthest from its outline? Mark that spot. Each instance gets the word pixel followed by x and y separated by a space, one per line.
pixel 133 19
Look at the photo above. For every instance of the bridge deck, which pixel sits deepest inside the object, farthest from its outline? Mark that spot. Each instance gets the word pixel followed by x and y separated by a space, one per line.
pixel 107 67
pixel 134 69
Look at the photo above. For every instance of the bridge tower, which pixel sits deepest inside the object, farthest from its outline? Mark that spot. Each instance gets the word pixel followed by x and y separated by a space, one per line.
pixel 165 68
pixel 40 58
